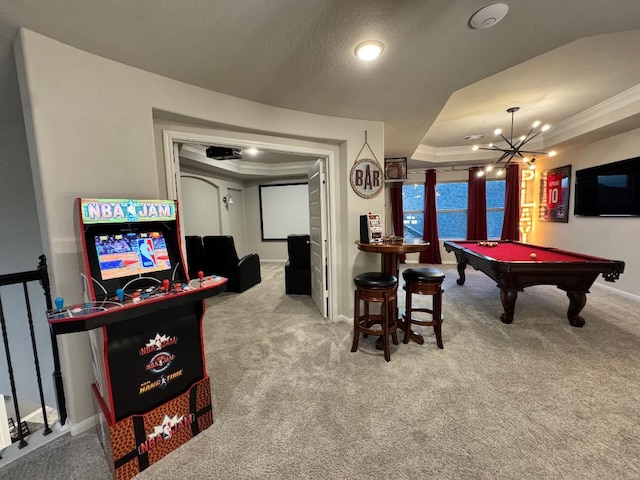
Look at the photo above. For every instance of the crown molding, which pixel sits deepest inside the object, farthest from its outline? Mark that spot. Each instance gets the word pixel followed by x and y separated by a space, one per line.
pixel 450 154
pixel 244 168
pixel 600 115
pixel 614 109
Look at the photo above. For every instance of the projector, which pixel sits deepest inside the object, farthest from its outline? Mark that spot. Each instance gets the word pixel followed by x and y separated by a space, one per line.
pixel 224 153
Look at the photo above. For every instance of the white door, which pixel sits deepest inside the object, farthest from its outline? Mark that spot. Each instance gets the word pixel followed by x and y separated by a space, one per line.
pixel 318 235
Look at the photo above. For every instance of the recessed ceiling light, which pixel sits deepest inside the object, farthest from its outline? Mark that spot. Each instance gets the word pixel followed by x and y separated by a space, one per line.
pixel 488 16
pixel 369 50
pixel 253 151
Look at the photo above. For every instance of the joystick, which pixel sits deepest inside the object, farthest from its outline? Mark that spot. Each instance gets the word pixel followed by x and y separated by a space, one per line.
pixel 200 275
pixel 120 294
pixel 59 301
pixel 165 285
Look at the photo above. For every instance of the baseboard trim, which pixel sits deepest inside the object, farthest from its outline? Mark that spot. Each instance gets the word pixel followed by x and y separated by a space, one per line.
pixel 83 426
pixel 631 296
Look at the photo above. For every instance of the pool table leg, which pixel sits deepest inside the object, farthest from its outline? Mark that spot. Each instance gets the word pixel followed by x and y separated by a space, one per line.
pixel 461 267
pixel 508 298
pixel 577 300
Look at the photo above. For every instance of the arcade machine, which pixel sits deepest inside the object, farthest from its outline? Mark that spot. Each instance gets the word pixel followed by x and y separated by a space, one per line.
pixel 144 317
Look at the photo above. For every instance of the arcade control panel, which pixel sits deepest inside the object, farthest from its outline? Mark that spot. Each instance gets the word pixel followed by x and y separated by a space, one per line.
pixel 89 315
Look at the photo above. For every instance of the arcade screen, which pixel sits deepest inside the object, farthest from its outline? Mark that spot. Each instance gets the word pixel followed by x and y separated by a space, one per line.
pixel 131 256
pixel 131 253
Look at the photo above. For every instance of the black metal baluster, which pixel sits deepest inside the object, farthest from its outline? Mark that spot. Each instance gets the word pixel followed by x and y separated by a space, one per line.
pixel 57 374
pixel 23 442
pixel 47 430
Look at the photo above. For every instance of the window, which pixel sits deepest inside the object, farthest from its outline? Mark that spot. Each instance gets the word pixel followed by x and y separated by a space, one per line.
pixel 495 207
pixel 413 206
pixel 451 206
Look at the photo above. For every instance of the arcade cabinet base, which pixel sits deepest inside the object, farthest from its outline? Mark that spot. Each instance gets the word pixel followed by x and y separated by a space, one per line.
pixel 134 443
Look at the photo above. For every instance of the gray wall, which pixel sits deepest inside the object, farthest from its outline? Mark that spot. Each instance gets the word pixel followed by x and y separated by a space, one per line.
pixel 20 247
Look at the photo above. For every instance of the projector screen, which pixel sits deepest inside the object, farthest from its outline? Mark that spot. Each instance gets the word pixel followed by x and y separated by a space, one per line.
pixel 284 210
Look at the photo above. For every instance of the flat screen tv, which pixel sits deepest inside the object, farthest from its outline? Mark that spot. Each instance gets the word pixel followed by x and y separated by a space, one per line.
pixel 612 189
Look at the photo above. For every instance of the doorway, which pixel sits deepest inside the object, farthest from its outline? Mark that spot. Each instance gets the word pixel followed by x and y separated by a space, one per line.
pixel 173 140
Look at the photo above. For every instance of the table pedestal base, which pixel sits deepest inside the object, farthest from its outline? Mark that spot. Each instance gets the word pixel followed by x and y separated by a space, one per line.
pixel 414 336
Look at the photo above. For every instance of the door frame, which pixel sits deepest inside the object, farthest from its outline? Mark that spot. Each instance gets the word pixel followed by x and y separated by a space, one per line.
pixel 172 139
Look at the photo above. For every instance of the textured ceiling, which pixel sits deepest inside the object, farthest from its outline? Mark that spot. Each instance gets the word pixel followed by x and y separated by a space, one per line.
pixel 437 80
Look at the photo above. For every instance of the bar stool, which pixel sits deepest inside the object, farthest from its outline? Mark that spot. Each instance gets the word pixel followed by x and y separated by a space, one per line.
pixel 375 287
pixel 423 281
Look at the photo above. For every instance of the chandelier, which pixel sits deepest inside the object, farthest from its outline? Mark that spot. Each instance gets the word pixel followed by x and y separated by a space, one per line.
pixel 516 147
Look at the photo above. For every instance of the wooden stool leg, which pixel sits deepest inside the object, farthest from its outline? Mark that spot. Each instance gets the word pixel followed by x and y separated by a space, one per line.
pixel 356 319
pixel 385 328
pixel 394 335
pixel 393 319
pixel 437 318
pixel 367 318
pixel 408 315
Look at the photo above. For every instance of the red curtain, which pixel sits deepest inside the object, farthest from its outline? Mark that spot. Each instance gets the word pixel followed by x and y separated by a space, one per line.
pixel 430 232
pixel 397 214
pixel 510 230
pixel 477 205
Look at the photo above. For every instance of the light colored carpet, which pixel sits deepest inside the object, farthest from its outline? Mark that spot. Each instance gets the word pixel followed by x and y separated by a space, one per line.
pixel 534 399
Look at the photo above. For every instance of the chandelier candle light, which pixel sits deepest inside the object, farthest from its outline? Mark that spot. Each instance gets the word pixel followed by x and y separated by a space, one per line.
pixel 515 147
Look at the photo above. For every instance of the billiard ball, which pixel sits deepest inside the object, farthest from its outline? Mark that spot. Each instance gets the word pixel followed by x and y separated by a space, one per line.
pixel 533 255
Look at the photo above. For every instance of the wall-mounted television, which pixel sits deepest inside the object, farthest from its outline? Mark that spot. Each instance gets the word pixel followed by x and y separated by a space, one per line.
pixel 612 189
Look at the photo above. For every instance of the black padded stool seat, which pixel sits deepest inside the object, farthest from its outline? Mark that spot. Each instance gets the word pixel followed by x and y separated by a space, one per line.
pixel 375 280
pixel 423 275
pixel 375 287
pixel 423 281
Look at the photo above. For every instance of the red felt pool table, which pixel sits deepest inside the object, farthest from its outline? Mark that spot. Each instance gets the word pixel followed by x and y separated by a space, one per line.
pixel 511 265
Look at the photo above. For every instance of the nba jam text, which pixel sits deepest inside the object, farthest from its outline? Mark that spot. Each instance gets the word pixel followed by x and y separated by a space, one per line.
pixel 158 343
pixel 164 432
pixel 107 211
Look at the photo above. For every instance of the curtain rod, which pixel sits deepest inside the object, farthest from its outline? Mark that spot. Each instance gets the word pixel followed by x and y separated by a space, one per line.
pixel 451 168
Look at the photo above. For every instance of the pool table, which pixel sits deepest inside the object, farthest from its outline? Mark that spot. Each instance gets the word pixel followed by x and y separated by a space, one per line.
pixel 516 265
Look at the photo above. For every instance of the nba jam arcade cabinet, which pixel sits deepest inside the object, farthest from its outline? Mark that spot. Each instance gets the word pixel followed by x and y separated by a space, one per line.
pixel 144 316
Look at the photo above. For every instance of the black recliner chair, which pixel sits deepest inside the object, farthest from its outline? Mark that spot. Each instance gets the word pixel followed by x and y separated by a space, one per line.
pixel 222 259
pixel 195 256
pixel 297 270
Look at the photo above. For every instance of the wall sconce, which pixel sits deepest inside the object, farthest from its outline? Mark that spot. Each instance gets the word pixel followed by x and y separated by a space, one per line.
pixel 227 200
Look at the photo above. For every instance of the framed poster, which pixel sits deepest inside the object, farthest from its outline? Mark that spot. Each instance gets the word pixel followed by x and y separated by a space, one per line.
pixel 554 195
pixel 395 168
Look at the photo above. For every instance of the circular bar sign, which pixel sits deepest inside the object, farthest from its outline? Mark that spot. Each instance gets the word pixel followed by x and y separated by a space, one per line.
pixel 366 177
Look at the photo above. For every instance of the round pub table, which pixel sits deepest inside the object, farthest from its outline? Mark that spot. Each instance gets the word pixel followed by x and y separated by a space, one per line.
pixel 390 264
